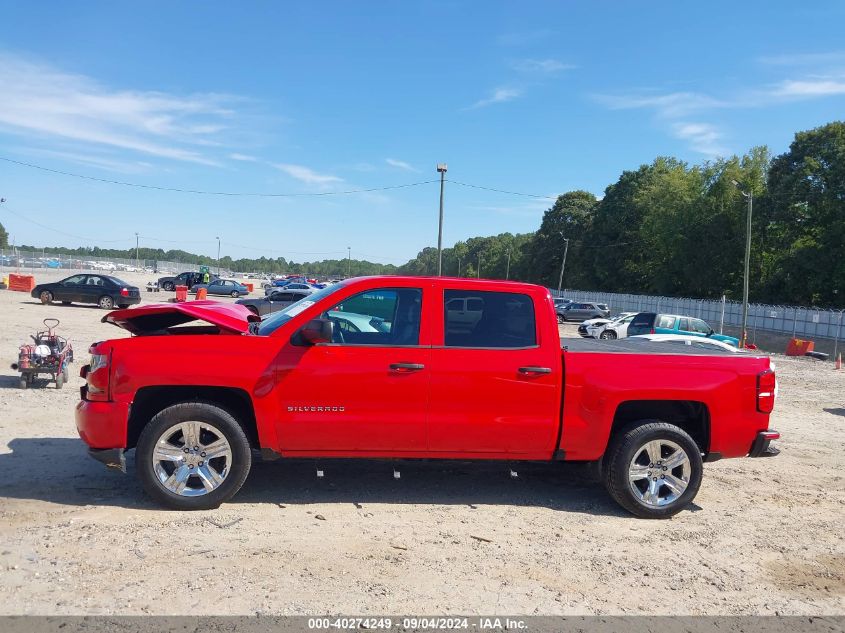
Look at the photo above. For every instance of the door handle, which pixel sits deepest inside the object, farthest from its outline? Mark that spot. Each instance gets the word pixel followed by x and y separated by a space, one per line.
pixel 403 367
pixel 533 371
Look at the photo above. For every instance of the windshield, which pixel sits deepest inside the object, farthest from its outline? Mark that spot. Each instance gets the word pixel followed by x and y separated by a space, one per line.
pixel 271 322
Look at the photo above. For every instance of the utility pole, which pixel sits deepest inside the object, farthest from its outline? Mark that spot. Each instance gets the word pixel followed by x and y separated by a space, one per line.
pixel 508 269
pixel 218 256
pixel 563 263
pixel 441 169
pixel 349 261
pixel 459 266
pixel 750 197
pixel 479 265
pixel 137 259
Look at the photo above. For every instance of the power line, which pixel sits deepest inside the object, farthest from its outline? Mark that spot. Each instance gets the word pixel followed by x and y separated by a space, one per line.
pixel 512 193
pixel 5 207
pixel 216 193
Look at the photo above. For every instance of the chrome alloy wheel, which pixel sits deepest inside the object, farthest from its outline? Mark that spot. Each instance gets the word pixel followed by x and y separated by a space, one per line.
pixel 191 459
pixel 659 473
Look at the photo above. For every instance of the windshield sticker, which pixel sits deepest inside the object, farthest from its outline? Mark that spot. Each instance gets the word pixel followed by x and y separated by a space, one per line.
pixel 299 307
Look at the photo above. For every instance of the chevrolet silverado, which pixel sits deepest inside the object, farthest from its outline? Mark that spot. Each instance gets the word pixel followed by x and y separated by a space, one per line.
pixel 410 367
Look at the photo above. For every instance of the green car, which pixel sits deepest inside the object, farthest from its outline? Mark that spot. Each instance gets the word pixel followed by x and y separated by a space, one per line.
pixel 651 323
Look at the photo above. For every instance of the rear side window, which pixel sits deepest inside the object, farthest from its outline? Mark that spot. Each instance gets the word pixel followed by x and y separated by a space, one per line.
pixel 666 322
pixel 491 319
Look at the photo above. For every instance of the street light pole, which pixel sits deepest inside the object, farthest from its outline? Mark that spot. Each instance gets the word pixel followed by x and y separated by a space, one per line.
pixel 137 259
pixel 348 261
pixel 563 263
pixel 441 169
pixel 508 269
pixel 750 197
pixel 459 266
pixel 479 265
pixel 218 256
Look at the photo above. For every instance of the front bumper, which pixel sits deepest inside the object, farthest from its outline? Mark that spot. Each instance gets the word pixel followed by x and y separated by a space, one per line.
pixel 761 446
pixel 582 330
pixel 102 425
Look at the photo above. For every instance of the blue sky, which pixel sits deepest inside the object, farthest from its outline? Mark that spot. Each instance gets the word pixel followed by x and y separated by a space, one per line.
pixel 307 98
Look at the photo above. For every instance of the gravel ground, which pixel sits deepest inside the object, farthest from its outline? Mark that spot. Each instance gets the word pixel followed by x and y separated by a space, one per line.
pixel 764 536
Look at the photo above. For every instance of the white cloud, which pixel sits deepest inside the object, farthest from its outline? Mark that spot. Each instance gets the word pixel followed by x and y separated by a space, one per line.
pixel 540 66
pixel 89 160
pixel 42 101
pixel 810 88
pixel 401 164
pixel 704 138
pixel 243 157
pixel 499 95
pixel 670 104
pixel 307 175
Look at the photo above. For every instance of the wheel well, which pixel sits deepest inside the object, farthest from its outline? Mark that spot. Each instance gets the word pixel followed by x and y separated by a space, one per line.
pixel 150 400
pixel 693 417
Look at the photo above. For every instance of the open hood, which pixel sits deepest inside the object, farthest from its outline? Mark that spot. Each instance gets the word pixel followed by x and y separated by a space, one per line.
pixel 158 317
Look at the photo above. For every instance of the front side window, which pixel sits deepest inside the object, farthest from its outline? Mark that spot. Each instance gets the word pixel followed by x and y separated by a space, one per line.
pixel 384 316
pixel 699 326
pixel 491 319
pixel 74 281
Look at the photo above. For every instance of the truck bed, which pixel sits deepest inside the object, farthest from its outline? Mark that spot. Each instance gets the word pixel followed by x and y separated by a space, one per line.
pixel 626 346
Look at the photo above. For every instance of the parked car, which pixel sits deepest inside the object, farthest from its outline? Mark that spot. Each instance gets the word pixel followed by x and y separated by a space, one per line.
pixel 693 341
pixel 652 323
pixel 189 279
pixel 561 302
pixel 490 391
pixel 104 290
pixel 293 285
pixel 224 287
pixel 276 300
pixel 609 330
pixel 577 311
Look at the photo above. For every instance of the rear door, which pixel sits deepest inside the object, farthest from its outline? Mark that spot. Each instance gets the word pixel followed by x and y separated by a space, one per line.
pixel 642 323
pixel 93 288
pixel 665 324
pixel 494 387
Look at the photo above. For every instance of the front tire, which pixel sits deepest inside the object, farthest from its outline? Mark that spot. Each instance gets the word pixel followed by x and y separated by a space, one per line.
pixel 235 294
pixel 653 469
pixel 169 286
pixel 46 297
pixel 193 456
pixel 560 319
pixel 106 302
pixel 608 335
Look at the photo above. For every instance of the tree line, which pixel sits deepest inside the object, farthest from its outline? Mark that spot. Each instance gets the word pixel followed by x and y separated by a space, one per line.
pixel 675 229
pixel 667 228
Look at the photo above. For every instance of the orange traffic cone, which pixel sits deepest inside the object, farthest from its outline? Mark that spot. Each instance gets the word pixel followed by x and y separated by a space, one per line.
pixel 838 361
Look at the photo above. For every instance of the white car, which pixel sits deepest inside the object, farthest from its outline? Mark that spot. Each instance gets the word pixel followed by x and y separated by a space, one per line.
pixel 617 327
pixel 700 342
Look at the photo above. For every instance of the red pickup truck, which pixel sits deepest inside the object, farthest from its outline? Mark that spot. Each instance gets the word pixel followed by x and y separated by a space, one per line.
pixel 410 367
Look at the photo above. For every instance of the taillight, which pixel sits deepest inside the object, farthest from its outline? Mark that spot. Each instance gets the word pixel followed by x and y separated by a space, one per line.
pixel 652 331
pixel 766 388
pixel 97 377
pixel 124 292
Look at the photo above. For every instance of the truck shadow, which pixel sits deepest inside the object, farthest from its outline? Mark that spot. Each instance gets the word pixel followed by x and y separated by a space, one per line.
pixel 59 470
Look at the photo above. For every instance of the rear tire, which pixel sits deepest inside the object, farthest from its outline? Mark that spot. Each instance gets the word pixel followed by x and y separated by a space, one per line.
pixel 24 383
pixel 217 426
pixel 236 294
pixel 560 319
pixel 106 302
pixel 46 297
pixel 167 285
pixel 60 380
pixel 653 469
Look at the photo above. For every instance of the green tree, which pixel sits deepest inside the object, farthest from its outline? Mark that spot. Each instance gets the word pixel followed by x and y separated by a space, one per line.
pixel 4 237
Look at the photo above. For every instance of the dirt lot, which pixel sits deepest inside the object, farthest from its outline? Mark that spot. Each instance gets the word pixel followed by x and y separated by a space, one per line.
pixel 765 536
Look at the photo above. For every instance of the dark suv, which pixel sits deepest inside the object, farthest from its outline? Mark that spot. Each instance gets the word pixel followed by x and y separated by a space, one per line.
pixel 577 311
pixel 189 279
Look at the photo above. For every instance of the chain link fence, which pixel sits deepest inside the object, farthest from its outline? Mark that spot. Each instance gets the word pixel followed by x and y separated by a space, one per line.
pixel 29 262
pixel 797 321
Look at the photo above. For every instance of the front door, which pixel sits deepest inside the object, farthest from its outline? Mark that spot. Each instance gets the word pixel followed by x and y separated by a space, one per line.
pixel 367 391
pixel 494 390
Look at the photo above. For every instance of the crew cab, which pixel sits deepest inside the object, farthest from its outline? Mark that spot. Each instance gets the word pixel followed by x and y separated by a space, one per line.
pixel 390 367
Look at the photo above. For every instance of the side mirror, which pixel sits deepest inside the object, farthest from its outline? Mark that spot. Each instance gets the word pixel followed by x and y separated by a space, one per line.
pixel 317 331
pixel 712 332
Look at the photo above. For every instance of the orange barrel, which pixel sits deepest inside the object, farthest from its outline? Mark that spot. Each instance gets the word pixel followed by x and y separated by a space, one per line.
pixel 181 293
pixel 202 293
